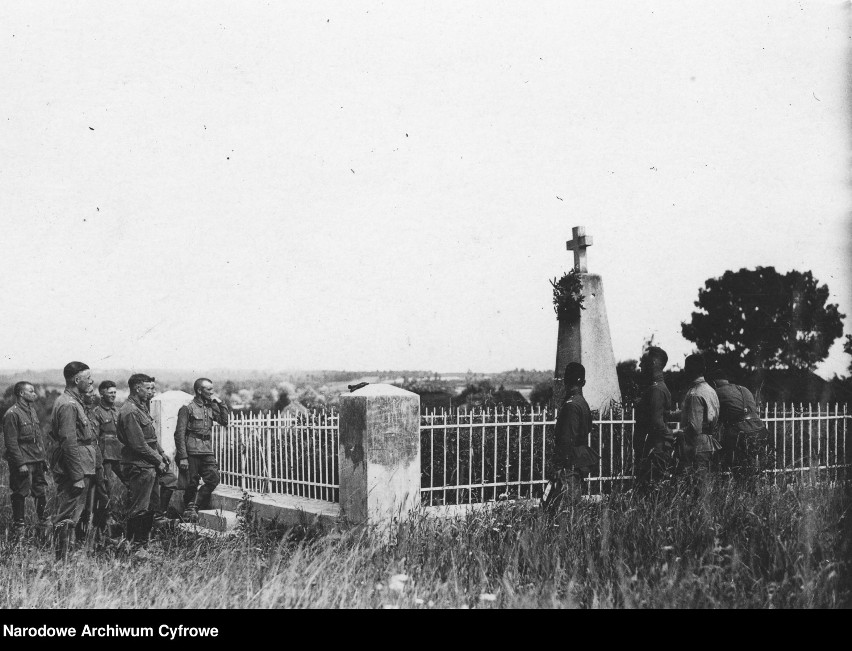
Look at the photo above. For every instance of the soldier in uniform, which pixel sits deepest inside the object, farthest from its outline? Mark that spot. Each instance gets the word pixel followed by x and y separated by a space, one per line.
pixel 653 440
pixel 74 462
pixel 573 458
pixel 744 436
pixel 25 455
pixel 698 422
pixel 104 416
pixel 143 460
pixel 194 450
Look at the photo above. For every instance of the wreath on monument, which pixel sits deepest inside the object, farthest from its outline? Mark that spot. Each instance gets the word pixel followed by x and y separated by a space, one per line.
pixel 568 296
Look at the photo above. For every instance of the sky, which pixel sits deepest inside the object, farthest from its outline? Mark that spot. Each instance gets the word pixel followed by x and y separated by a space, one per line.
pixel 390 186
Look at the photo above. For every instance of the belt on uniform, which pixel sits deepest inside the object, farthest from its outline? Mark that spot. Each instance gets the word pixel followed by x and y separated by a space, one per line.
pixel 109 437
pixel 202 437
pixel 28 439
pixel 85 441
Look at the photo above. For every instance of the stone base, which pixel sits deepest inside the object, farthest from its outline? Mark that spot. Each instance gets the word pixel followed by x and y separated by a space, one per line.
pixel 280 509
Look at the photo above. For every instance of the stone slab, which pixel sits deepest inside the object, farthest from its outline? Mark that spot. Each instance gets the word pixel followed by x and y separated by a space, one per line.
pixel 204 532
pixel 217 520
pixel 281 509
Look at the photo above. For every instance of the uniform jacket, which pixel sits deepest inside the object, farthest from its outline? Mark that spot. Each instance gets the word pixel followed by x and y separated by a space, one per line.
pixel 651 427
pixel 106 420
pixel 194 426
pixel 136 433
pixel 77 454
pixel 22 435
pixel 573 425
pixel 700 416
pixel 738 411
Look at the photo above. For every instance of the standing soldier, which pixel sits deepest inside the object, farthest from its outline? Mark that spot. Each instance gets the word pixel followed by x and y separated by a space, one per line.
pixel 573 458
pixel 653 440
pixel 698 421
pixel 104 416
pixel 142 457
pixel 74 461
pixel 194 450
pixel 744 436
pixel 25 455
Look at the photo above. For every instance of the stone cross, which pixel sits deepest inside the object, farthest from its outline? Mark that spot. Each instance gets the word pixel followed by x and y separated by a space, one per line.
pixel 578 245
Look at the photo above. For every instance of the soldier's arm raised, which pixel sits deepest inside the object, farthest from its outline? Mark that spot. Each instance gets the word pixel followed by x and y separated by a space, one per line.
pixel 220 413
pixel 67 435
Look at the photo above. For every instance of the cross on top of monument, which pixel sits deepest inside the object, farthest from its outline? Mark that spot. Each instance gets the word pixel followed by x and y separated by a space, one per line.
pixel 578 245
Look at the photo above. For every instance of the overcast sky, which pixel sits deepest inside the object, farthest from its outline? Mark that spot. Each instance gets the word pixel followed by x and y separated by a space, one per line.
pixel 391 185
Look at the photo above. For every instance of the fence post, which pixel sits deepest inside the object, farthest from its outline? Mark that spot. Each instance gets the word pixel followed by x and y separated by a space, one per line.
pixel 379 454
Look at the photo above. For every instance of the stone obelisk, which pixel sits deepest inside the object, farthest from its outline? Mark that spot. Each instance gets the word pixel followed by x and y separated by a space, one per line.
pixel 586 338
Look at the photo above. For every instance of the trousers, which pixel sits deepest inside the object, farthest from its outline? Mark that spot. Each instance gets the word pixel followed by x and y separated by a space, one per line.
pixel 71 500
pixel 201 467
pixel 25 484
pixel 143 489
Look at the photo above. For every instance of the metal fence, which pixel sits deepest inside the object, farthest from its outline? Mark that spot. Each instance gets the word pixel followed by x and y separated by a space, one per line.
pixel 284 453
pixel 498 454
pixel 480 456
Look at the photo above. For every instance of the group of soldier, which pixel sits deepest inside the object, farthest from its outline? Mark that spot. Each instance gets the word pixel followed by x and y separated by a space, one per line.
pixel 719 426
pixel 96 441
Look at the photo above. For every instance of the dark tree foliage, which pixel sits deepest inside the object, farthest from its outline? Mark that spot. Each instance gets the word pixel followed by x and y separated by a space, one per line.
pixel 629 380
pixel 758 318
pixel 542 394
pixel 484 395
pixel 847 348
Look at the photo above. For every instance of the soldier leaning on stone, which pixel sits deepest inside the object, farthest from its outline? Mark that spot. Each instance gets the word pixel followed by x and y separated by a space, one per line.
pixel 573 458
pixel 142 457
pixel 744 436
pixel 698 421
pixel 74 462
pixel 25 455
pixel 194 450
pixel 653 440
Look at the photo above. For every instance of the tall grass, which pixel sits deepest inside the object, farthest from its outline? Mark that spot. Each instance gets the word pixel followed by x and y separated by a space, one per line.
pixel 763 547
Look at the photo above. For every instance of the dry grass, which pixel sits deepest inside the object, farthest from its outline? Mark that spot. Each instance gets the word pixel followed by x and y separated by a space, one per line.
pixel 763 548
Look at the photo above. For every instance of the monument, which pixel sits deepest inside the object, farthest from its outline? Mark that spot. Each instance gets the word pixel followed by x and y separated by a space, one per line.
pixel 585 337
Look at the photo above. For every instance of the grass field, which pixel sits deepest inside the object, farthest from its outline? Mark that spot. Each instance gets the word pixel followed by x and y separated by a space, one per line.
pixel 763 548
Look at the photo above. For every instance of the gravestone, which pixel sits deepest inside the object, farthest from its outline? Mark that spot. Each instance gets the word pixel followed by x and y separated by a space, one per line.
pixel 586 339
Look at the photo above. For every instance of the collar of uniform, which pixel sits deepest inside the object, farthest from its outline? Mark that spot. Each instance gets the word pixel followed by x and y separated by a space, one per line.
pixel 75 396
pixel 699 380
pixel 720 383
pixel 21 404
pixel 100 403
pixel 656 378
pixel 136 401
pixel 198 400
pixel 573 392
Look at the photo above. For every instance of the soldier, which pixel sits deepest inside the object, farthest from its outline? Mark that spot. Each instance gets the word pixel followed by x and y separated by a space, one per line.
pixel 573 458
pixel 653 440
pixel 744 436
pixel 142 457
pixel 74 461
pixel 698 421
pixel 193 448
pixel 25 455
pixel 104 415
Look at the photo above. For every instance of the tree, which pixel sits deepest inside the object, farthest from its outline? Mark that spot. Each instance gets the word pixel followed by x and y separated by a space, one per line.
pixel 760 319
pixel 847 348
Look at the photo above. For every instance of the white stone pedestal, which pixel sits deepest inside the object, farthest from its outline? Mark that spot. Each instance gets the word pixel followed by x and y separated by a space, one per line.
pixel 379 454
pixel 164 411
pixel 587 340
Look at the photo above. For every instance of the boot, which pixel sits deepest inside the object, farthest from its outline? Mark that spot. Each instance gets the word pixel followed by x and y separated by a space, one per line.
pixel 165 499
pixel 18 510
pixel 63 538
pixel 139 527
pixel 190 513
